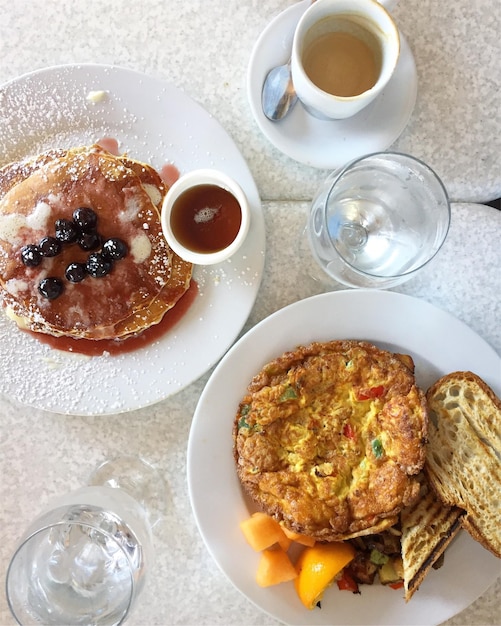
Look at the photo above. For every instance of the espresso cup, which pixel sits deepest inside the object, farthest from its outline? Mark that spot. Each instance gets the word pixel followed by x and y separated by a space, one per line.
pixel 344 52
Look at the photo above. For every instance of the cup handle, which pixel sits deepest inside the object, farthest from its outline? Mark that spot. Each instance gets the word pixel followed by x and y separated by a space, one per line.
pixel 388 4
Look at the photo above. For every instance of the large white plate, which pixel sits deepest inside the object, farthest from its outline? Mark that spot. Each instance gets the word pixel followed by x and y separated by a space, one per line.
pixel 320 143
pixel 439 343
pixel 155 122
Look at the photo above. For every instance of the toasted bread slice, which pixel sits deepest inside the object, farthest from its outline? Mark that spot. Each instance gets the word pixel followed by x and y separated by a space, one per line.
pixel 463 461
pixel 428 527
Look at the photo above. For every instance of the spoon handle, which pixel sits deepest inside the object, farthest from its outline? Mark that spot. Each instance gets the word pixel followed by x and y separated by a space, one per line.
pixel 388 4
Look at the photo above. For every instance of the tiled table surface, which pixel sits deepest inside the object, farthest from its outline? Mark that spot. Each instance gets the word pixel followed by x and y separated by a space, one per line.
pixel 44 454
pixel 456 128
pixel 204 49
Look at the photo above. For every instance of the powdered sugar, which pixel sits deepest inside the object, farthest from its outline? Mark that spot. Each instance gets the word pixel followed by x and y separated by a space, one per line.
pixel 206 214
pixel 11 225
pixel 39 218
pixel 156 123
pixel 41 115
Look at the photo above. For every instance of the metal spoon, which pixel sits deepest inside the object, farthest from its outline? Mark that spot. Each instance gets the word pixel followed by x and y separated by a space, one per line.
pixel 278 95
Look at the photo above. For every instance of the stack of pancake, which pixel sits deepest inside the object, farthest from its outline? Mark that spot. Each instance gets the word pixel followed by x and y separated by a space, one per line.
pixel 126 197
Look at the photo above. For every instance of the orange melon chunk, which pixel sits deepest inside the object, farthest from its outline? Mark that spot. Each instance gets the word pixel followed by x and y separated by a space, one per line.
pixel 274 567
pixel 304 540
pixel 262 531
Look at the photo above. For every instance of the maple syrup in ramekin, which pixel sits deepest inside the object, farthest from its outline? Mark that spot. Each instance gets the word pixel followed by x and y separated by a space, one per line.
pixel 206 218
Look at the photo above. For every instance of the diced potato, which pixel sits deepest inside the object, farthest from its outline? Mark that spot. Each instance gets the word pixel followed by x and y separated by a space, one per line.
pixel 274 567
pixel 399 566
pixel 262 531
pixel 388 573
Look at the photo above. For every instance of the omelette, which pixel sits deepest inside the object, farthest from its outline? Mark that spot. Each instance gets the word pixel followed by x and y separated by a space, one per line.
pixel 330 438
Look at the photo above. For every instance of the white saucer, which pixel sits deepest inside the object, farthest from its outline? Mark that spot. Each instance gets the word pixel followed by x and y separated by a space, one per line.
pixel 328 144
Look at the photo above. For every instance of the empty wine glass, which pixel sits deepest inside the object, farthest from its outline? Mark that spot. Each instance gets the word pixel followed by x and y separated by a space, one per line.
pixel 84 559
pixel 378 221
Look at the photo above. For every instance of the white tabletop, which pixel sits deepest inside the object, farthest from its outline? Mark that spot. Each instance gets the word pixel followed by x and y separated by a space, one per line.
pixel 45 454
pixel 204 49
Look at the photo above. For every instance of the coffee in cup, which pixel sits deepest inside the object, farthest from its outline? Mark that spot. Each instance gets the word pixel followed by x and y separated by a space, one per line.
pixel 345 60
pixel 344 53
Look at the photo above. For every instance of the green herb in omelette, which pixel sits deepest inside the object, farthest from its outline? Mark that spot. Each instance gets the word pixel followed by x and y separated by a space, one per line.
pixel 288 394
pixel 377 448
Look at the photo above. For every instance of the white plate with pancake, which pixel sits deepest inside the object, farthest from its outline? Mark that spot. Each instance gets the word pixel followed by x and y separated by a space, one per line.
pixel 439 343
pixel 153 121
pixel 322 143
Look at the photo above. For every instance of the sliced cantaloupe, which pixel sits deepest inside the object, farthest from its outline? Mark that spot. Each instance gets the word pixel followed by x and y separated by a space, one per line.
pixel 304 540
pixel 285 543
pixel 262 531
pixel 274 567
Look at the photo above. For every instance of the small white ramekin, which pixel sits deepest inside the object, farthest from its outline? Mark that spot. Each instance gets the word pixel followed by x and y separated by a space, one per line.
pixel 193 179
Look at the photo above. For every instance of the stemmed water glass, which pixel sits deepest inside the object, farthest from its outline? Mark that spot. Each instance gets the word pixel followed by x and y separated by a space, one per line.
pixel 84 559
pixel 376 222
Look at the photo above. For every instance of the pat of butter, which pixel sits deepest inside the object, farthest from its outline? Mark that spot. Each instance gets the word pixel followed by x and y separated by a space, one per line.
pixel 20 321
pixel 96 96
pixel 153 193
pixel 140 248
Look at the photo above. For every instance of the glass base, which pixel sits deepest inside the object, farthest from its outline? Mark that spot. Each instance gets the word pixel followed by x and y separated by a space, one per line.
pixel 310 269
pixel 137 478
